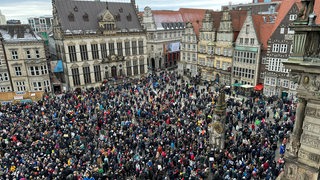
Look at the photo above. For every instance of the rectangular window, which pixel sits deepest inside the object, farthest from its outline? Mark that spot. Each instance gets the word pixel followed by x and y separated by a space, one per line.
pixel 14 54
pixel 97 73
pixel 141 47
pixel 32 71
pixel 251 41
pixel 72 53
pixel 86 75
pixel 37 70
pixel 104 52
pixel 4 77
pixel 218 65
pixel 21 86
pixel 111 49
pixel 75 76
pixel 129 70
pixel 141 63
pixel 37 86
pixel 44 69
pixel 94 51
pixel 292 17
pixel 18 71
pixel 281 30
pixel 283 48
pixel 275 47
pixel 37 54
pixel 134 47
pixel 247 28
pixel 246 41
pixel 241 40
pixel 28 54
pixel 119 49
pixel 135 67
pixel 127 48
pixel 84 52
pixel 46 85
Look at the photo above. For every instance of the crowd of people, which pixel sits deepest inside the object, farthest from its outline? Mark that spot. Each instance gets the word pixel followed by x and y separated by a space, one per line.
pixel 157 128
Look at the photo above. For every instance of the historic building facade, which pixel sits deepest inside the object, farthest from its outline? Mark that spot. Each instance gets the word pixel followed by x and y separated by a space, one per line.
pixel 97 41
pixel 40 24
pixel 276 78
pixel 189 52
pixel 165 29
pixel 164 34
pixel 303 153
pixel 206 45
pixel 229 28
pixel 247 54
pixel 23 63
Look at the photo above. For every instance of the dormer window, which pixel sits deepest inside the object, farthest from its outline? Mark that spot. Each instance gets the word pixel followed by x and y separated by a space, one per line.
pixel 85 17
pixel 71 17
pixel 129 17
pixel 117 17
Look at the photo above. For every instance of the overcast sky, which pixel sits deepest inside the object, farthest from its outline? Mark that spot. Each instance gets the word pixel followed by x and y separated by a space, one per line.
pixel 22 9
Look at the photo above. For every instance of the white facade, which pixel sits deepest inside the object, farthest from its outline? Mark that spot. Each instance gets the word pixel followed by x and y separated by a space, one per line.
pixel 246 58
pixel 189 52
pixel 40 24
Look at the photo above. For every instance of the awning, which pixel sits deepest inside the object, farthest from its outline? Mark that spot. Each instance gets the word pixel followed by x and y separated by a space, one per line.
pixel 246 86
pixel 59 67
pixel 237 84
pixel 258 87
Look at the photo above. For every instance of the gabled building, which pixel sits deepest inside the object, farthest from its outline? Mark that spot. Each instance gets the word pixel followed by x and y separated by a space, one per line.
pixel 97 41
pixel 188 64
pixel 164 33
pixel 207 43
pixel 247 52
pixel 277 80
pixel 229 29
pixel 23 65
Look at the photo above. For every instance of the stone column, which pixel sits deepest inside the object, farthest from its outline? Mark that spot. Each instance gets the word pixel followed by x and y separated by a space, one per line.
pixel 297 130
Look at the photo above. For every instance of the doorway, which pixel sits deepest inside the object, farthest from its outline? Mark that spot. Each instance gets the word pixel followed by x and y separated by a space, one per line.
pixel 114 71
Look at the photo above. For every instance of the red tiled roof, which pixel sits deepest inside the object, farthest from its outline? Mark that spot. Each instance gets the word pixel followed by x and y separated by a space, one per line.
pixel 216 16
pixel 195 16
pixel 238 17
pixel 317 11
pixel 262 30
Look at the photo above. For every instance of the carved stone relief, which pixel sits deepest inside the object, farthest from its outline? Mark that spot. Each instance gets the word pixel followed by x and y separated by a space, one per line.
pixel 312 112
pixel 310 140
pixel 310 127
